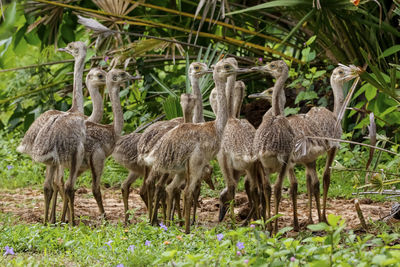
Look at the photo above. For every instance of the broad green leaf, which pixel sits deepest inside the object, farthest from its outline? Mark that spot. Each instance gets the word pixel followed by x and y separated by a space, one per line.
pixel 333 219
pixel 390 51
pixel 370 93
pixel 311 40
pixel 318 227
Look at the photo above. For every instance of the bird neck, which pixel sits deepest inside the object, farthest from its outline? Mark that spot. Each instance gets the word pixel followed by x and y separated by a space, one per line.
pixel 77 94
pixel 222 112
pixel 238 98
pixel 229 92
pixel 97 102
pixel 277 107
pixel 118 121
pixel 337 88
pixel 188 116
pixel 198 110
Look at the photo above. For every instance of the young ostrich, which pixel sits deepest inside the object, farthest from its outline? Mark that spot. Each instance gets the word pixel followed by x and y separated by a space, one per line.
pixel 274 139
pixel 190 146
pixel 78 51
pixel 153 134
pixel 236 157
pixel 95 79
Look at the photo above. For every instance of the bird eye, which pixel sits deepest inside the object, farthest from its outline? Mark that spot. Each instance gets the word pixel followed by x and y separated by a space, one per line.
pixel 114 78
pixel 226 67
pixel 273 65
pixel 196 68
pixel 340 72
pixel 100 76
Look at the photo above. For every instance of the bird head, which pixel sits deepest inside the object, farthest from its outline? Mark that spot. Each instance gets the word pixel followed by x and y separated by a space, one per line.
pixel 96 77
pixel 266 94
pixel 75 48
pixel 275 68
pixel 118 76
pixel 198 69
pixel 344 73
pixel 226 67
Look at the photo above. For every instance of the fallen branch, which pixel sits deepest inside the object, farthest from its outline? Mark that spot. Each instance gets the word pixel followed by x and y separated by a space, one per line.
pixel 384 192
pixel 360 214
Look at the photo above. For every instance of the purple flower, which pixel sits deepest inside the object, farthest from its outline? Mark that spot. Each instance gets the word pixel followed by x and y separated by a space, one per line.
pixel 109 243
pixel 252 226
pixel 106 59
pixel 238 253
pixel 292 259
pixel 220 236
pixel 163 226
pixel 147 243
pixel 260 59
pixel 246 261
pixel 120 265
pixel 9 251
pixel 131 248
pixel 10 167
pixel 240 245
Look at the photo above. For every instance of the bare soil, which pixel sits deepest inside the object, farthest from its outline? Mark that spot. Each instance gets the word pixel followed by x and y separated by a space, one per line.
pixel 28 205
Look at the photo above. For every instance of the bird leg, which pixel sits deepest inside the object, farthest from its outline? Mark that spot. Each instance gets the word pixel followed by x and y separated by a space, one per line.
pixel 76 162
pixel 150 184
pixel 96 165
pixel 293 194
pixel 267 192
pixel 228 194
pixel 143 188
pixel 48 189
pixel 157 196
pixel 327 179
pixel 125 192
pixel 194 170
pixel 309 194
pixel 278 188
pixel 172 190
pixel 315 187
pixel 58 186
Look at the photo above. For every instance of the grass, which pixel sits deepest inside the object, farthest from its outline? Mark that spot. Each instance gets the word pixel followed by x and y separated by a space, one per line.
pixel 142 245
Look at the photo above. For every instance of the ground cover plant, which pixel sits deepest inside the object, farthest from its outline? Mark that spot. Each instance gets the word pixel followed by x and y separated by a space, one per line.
pixel 158 39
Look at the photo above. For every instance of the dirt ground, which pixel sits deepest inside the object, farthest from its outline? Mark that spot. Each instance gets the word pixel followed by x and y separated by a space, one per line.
pixel 28 205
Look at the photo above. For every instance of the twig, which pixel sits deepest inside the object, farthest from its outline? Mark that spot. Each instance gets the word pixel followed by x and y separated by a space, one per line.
pixel 352 142
pixel 363 170
pixel 149 123
pixel 384 192
pixel 360 214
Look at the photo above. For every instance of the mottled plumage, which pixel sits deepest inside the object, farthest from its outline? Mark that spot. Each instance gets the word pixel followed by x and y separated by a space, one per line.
pixel 275 135
pixel 178 144
pixel 126 152
pixel 30 136
pixel 59 139
pixel 152 135
pixel 237 140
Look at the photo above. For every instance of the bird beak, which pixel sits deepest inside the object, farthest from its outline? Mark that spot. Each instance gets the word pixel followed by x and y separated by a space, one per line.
pixel 263 95
pixel 243 70
pixel 257 68
pixel 205 72
pixel 62 49
pixel 138 77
